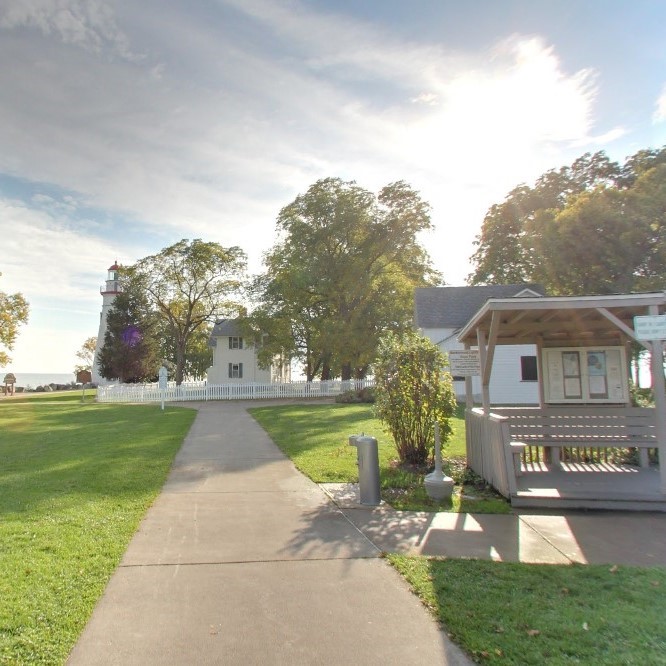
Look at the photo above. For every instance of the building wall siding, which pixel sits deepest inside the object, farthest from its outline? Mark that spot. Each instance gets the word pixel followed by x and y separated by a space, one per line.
pixel 218 373
pixel 506 385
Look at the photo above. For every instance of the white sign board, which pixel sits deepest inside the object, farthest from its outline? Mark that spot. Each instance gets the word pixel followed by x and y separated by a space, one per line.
pixel 650 327
pixel 464 362
pixel 163 377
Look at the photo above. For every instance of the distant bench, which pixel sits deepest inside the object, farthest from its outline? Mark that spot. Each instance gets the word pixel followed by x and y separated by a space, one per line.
pixel 574 433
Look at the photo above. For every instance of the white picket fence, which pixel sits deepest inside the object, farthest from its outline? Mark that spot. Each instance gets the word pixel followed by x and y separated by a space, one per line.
pixel 201 391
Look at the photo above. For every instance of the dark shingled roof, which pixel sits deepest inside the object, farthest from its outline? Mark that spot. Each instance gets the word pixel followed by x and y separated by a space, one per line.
pixel 224 327
pixel 453 307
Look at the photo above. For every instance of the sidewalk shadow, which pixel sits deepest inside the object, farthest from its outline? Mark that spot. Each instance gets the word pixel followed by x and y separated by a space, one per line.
pixel 498 537
pixel 326 533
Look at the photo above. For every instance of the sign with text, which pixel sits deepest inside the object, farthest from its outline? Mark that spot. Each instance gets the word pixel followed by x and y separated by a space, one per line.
pixel 464 362
pixel 163 377
pixel 650 327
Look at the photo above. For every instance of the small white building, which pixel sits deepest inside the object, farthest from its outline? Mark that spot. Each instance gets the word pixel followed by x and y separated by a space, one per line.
pixel 235 359
pixel 442 312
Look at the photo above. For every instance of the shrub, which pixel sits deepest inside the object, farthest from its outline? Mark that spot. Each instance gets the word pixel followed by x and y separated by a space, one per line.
pixel 413 392
pixel 365 395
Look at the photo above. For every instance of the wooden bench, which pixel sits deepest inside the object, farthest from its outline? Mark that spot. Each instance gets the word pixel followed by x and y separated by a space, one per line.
pixel 584 432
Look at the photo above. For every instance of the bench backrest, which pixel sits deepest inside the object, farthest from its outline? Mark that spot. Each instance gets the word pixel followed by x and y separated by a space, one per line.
pixel 591 424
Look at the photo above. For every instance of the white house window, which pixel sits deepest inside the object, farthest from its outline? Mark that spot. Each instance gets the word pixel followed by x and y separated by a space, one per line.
pixel 235 343
pixel 528 369
pixel 235 371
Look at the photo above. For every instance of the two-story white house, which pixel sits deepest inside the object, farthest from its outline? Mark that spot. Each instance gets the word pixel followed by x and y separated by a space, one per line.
pixel 235 358
pixel 442 312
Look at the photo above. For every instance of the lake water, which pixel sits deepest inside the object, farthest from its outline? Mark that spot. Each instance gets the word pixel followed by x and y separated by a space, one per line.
pixel 35 379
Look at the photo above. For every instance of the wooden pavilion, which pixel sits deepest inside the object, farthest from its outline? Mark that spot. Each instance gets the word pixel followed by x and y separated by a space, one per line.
pixel 584 445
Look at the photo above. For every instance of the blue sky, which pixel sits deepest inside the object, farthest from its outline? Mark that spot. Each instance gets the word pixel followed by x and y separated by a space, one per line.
pixel 126 126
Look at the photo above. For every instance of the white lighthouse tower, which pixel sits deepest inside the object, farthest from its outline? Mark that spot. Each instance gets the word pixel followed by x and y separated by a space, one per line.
pixel 109 292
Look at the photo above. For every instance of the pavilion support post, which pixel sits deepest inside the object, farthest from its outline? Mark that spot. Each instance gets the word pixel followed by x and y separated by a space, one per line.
pixel 469 388
pixel 485 382
pixel 631 370
pixel 539 351
pixel 659 390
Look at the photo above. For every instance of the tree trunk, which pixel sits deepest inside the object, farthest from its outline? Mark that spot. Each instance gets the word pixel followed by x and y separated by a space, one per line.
pixel 361 373
pixel 180 361
pixel 346 372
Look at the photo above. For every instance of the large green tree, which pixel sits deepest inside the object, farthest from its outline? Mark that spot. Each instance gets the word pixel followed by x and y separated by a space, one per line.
pixel 189 285
pixel 341 274
pixel 131 351
pixel 584 229
pixel 198 353
pixel 14 311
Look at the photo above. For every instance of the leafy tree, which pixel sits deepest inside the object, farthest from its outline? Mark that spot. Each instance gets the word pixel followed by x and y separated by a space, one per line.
pixel 131 351
pixel 639 163
pixel 190 284
pixel 198 355
pixel 593 227
pixel 86 355
pixel 412 393
pixel 14 311
pixel 646 206
pixel 591 245
pixel 341 275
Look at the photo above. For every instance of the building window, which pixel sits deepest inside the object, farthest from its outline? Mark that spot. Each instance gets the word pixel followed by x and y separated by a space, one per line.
pixel 528 369
pixel 235 371
pixel 235 343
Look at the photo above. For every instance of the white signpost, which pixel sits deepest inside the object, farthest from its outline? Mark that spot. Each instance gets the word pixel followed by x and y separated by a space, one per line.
pixel 464 362
pixel 650 327
pixel 163 382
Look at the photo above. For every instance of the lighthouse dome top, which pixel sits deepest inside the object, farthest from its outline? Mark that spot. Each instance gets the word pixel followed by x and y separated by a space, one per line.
pixel 115 266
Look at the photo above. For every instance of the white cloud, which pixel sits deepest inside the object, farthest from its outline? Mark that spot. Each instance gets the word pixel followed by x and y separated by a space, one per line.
pixel 89 24
pixel 600 140
pixel 189 152
pixel 48 261
pixel 660 108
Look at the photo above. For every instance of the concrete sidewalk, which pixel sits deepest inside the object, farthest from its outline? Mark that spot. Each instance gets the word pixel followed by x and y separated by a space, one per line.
pixel 242 560
pixel 566 538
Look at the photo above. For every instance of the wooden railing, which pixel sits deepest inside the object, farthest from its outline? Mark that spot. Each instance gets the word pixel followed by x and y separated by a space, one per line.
pixel 488 453
pixel 502 444
pixel 201 391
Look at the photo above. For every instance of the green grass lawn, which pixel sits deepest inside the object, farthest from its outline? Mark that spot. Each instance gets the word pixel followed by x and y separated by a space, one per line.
pixel 75 480
pixel 522 614
pixel 315 437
